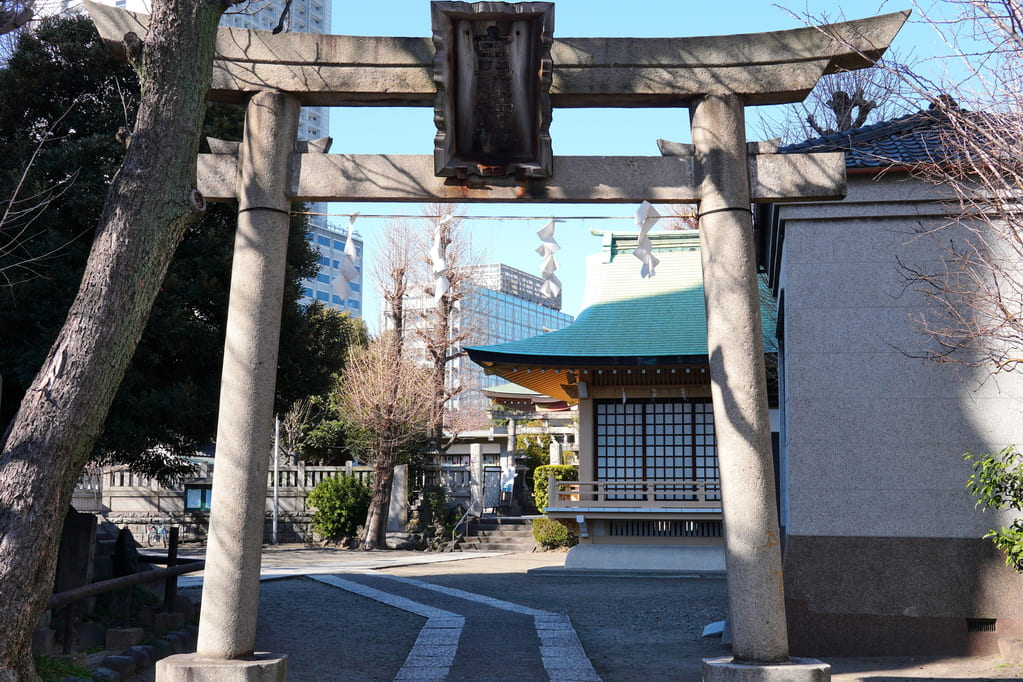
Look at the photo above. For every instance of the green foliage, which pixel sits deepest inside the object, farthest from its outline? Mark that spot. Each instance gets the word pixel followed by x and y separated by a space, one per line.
pixel 997 483
pixel 434 508
pixel 551 534
pixel 321 338
pixel 561 472
pixel 536 448
pixel 341 504
pixel 52 669
pixel 63 79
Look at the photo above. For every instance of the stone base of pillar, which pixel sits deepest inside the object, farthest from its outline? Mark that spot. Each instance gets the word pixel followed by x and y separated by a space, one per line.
pixel 260 667
pixel 795 670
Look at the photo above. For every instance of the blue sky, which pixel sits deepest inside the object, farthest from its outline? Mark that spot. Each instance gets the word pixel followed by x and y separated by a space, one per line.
pixel 573 131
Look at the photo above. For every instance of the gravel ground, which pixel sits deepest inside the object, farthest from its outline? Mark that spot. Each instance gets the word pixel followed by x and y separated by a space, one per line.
pixel 331 634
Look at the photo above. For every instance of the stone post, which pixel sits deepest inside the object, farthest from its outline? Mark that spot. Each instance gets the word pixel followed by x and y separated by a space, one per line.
pixel 230 599
pixel 397 514
pixel 555 452
pixel 738 383
pixel 476 476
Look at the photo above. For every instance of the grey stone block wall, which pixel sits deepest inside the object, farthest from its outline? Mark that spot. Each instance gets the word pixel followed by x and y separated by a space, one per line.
pixel 883 552
pixel 874 438
pixel 291 527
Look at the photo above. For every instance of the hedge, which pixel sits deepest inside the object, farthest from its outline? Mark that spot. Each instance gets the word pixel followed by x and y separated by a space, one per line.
pixel 562 472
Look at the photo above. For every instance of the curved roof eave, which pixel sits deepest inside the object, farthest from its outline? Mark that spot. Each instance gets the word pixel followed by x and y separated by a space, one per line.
pixel 488 356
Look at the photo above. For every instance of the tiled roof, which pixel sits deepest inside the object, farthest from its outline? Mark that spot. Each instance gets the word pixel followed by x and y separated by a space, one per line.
pixel 911 139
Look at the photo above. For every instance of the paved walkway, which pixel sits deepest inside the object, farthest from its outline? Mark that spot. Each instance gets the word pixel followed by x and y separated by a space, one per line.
pixel 391 615
pixel 535 644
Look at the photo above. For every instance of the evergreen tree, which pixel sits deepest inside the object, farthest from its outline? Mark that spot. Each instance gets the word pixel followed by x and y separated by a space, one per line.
pixel 63 80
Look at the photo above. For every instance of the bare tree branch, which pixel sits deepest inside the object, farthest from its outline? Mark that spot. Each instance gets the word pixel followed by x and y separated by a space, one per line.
pixel 20 213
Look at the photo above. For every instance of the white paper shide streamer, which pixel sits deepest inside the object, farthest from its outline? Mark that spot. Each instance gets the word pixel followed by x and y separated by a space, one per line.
pixel 548 247
pixel 439 266
pixel 646 217
pixel 349 273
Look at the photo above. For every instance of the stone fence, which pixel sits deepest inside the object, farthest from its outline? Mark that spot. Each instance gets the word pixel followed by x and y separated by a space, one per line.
pixel 131 500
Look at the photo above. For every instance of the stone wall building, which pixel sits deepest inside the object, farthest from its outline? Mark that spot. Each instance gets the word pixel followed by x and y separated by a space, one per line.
pixel 883 551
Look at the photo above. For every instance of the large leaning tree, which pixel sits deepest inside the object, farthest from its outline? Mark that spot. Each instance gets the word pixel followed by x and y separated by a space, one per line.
pixel 149 205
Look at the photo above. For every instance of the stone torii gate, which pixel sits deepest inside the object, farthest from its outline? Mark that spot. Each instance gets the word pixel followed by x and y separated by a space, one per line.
pixel 492 71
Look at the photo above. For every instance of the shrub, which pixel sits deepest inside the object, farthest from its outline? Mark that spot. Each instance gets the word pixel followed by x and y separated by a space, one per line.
pixel 341 503
pixel 51 669
pixel 562 472
pixel 550 534
pixel 997 483
pixel 436 521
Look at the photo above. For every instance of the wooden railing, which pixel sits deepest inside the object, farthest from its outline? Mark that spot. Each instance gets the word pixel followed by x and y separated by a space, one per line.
pixel 632 494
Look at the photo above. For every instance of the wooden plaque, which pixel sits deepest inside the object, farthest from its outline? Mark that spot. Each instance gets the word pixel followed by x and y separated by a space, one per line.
pixel 493 75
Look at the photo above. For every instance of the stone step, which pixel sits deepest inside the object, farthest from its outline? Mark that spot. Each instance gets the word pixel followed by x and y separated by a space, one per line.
pixel 501 533
pixel 507 546
pixel 496 544
pixel 506 521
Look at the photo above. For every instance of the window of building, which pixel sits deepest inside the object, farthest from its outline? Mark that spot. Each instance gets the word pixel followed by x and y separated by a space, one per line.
pixel 655 440
pixel 307 292
pixel 323 279
pixel 339 245
pixel 322 296
pixel 354 286
pixel 338 300
pixel 353 303
pixel 197 497
pixel 323 241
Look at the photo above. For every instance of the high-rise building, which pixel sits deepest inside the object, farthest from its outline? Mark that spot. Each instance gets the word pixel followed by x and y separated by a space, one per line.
pixel 328 287
pixel 506 304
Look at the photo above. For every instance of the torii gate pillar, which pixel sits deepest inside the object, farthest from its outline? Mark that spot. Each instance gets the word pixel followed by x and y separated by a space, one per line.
pixel 230 596
pixel 756 591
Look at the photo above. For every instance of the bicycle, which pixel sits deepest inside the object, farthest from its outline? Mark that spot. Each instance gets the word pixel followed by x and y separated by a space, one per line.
pixel 156 534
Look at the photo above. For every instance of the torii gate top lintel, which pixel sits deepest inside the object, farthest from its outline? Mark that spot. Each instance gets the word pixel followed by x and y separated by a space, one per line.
pixel 777 67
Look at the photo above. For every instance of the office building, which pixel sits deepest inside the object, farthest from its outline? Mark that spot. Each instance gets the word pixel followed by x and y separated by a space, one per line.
pixel 506 304
pixel 329 285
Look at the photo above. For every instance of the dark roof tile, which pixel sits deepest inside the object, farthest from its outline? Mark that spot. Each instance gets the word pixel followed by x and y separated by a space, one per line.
pixel 920 137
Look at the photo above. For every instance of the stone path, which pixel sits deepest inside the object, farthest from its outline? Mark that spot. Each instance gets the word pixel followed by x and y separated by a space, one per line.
pixel 502 640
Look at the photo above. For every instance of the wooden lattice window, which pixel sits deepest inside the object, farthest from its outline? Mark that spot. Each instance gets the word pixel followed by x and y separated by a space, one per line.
pixel 655 440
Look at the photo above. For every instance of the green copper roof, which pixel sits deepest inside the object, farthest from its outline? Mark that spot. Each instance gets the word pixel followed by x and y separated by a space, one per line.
pixel 630 320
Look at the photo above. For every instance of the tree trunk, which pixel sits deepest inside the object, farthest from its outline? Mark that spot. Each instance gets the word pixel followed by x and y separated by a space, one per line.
pixel 380 503
pixel 148 206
